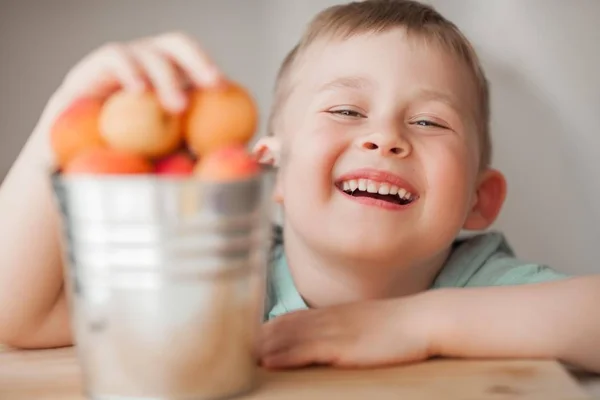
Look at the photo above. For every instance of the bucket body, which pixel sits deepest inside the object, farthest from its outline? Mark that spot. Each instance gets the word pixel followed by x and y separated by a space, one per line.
pixel 166 282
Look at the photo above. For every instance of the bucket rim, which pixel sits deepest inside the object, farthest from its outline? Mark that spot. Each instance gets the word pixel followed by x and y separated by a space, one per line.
pixel 59 179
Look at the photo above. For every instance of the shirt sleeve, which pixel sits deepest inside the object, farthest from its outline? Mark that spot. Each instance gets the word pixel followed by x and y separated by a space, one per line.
pixel 488 260
pixel 528 273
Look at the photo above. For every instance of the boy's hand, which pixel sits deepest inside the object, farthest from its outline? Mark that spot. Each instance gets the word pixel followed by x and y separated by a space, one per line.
pixel 545 320
pixel 355 335
pixel 170 64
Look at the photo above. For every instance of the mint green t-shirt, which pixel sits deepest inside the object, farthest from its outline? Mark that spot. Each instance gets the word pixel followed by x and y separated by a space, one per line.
pixel 482 260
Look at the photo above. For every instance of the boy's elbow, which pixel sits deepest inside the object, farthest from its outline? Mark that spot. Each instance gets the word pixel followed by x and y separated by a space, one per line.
pixel 53 331
pixel 37 340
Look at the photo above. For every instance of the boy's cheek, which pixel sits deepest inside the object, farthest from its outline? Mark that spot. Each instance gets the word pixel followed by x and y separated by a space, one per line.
pixel 309 168
pixel 450 176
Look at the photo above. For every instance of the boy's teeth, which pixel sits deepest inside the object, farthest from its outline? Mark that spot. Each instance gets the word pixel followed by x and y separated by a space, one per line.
pixel 366 185
pixel 362 185
pixel 384 188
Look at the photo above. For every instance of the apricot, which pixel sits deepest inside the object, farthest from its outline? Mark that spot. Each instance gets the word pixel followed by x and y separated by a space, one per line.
pixel 107 161
pixel 227 164
pixel 76 130
pixel 218 117
pixel 178 164
pixel 137 123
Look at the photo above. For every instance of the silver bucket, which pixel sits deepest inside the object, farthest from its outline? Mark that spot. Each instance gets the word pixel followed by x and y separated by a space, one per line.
pixel 166 279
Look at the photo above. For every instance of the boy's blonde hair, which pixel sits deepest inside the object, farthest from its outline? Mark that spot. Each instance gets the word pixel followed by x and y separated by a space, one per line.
pixel 368 16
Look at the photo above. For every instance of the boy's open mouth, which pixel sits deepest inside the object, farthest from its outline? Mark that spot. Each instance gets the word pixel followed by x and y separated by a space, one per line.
pixel 382 191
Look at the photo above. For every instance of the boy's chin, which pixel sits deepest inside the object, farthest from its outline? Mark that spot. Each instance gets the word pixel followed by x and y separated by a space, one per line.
pixel 374 248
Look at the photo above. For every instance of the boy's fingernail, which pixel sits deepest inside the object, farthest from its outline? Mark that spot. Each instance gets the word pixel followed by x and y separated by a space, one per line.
pixel 212 77
pixel 136 86
pixel 139 87
pixel 178 104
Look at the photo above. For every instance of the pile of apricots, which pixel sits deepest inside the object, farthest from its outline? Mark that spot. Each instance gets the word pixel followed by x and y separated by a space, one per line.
pixel 131 133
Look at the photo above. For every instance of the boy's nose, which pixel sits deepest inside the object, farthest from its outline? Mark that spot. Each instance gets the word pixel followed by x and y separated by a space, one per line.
pixel 387 145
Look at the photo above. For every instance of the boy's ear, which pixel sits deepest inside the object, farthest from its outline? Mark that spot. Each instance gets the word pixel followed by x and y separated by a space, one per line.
pixel 267 151
pixel 488 201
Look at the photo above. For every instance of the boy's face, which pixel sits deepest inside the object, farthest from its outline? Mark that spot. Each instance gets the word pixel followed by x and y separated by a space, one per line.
pixel 389 113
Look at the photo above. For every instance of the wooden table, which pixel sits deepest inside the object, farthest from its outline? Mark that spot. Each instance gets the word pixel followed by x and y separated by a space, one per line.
pixel 55 375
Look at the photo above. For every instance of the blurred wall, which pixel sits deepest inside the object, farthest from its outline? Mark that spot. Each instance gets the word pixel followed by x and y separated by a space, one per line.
pixel 541 56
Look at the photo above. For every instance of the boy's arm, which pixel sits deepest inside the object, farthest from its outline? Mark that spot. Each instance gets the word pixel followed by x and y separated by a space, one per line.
pixel 33 311
pixel 33 306
pixel 547 320
pixel 555 320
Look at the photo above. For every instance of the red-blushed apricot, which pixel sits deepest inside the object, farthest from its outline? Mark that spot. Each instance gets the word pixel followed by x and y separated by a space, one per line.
pixel 227 164
pixel 107 161
pixel 178 164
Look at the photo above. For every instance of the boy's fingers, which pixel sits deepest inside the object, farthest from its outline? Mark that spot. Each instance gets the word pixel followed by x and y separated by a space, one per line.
pixel 283 333
pixel 125 69
pixel 275 344
pixel 103 72
pixel 190 57
pixel 300 355
pixel 274 340
pixel 163 76
pixel 293 331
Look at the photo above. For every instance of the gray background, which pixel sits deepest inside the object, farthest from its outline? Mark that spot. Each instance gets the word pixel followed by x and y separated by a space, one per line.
pixel 542 57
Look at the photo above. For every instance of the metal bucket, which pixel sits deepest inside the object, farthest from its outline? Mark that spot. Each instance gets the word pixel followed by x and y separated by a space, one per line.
pixel 167 282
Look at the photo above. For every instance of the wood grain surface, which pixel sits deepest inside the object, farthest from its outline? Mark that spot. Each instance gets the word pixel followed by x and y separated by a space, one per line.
pixel 55 375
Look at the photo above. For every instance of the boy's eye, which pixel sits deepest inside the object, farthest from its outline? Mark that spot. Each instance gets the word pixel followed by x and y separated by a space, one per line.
pixel 426 123
pixel 347 113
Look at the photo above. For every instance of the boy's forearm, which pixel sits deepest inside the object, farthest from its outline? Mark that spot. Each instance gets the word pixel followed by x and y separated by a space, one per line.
pixel 31 274
pixel 550 320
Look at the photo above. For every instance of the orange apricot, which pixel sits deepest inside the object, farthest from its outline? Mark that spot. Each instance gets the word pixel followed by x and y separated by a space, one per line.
pixel 137 123
pixel 219 117
pixel 76 130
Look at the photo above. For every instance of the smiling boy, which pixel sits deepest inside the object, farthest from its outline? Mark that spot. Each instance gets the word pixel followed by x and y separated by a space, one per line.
pixel 382 121
pixel 380 131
